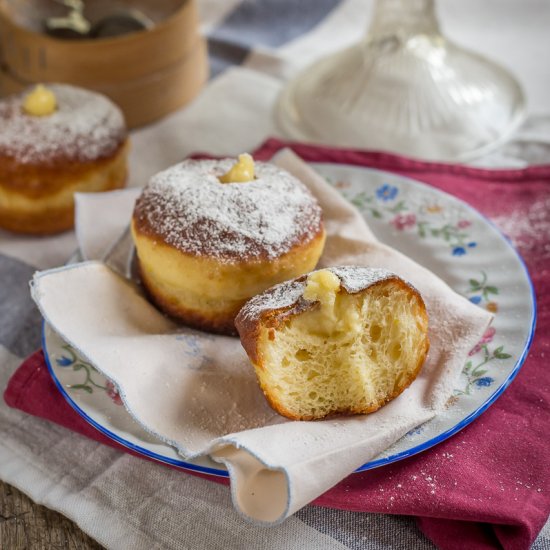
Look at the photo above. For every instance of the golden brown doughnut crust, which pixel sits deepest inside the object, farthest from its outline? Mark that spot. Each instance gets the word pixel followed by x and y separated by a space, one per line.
pixel 47 192
pixel 221 323
pixel 244 275
pixel 40 180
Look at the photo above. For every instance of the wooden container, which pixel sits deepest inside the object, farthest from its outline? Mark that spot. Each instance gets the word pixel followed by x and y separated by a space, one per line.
pixel 148 73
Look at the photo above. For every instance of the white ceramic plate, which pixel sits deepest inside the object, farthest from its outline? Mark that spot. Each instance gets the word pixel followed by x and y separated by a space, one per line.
pixel 438 231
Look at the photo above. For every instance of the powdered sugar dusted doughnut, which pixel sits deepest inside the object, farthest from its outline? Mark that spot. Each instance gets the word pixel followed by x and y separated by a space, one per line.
pixel 188 208
pixel 85 127
pixel 342 340
pixel 205 247
pixel 44 159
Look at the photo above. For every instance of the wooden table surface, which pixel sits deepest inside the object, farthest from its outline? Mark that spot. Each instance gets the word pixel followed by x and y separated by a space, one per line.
pixel 25 525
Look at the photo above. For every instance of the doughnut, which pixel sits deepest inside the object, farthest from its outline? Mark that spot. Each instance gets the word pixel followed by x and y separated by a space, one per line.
pixel 55 141
pixel 205 247
pixel 342 340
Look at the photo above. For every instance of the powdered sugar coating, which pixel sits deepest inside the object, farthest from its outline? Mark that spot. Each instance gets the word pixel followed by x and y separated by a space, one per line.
pixel 188 208
pixel 86 126
pixel 357 278
pixel 282 296
pixel 290 293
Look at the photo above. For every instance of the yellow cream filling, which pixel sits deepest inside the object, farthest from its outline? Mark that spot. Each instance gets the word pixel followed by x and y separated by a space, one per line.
pixel 241 172
pixel 334 315
pixel 40 102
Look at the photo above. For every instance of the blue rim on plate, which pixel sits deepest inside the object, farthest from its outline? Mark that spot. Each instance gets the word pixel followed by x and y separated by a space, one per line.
pixel 125 443
pixel 413 450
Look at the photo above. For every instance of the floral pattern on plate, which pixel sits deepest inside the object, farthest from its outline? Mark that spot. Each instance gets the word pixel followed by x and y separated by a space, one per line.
pixel 384 203
pixel 92 379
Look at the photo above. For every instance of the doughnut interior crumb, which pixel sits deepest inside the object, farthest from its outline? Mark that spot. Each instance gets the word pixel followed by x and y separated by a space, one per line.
pixel 350 354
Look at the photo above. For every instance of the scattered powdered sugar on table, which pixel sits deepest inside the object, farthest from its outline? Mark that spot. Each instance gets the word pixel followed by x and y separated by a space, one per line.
pixel 528 229
pixel 190 209
pixel 86 126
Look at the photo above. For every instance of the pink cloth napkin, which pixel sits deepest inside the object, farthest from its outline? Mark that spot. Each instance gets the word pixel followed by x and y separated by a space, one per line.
pixel 489 485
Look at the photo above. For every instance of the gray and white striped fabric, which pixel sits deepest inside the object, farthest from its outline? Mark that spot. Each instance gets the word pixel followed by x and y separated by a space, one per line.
pixel 122 501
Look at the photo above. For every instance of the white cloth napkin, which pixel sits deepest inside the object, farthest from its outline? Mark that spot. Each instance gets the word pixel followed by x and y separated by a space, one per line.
pixel 198 392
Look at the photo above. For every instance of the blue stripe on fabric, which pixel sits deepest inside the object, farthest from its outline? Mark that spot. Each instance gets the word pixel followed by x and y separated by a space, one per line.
pixel 224 55
pixel 20 321
pixel 269 23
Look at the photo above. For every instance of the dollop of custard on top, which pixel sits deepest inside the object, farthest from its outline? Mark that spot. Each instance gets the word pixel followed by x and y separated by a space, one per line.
pixel 41 101
pixel 241 172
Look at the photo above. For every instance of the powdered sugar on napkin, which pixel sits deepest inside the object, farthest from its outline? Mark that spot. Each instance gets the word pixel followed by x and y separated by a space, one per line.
pixel 198 391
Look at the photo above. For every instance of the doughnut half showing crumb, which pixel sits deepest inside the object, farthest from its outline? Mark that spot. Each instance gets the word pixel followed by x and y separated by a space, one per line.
pixel 343 340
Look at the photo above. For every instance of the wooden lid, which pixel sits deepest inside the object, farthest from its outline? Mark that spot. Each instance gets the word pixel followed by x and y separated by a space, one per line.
pixel 34 56
pixel 148 74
